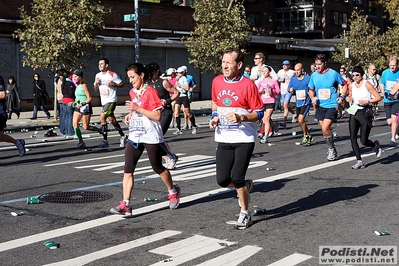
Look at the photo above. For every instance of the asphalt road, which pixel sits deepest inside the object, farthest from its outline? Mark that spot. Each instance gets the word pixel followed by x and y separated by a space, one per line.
pixel 310 203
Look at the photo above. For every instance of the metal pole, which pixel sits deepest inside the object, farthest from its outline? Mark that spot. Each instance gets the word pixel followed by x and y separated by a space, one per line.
pixel 136 31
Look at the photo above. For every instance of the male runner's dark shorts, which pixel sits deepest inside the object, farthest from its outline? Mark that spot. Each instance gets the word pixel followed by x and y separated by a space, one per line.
pixel 109 108
pixel 326 113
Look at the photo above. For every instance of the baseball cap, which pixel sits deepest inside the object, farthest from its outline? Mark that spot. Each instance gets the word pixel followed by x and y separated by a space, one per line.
pixel 180 70
pixel 169 71
pixel 185 68
pixel 286 62
pixel 78 72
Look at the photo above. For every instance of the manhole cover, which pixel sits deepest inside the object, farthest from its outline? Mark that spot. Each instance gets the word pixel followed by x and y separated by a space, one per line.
pixel 75 197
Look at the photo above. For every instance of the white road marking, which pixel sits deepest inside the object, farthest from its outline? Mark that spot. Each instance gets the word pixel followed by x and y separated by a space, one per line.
pixel 233 258
pixel 190 248
pixel 115 249
pixel 291 260
pixel 110 219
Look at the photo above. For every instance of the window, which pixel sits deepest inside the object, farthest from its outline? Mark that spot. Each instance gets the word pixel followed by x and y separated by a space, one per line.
pixel 338 18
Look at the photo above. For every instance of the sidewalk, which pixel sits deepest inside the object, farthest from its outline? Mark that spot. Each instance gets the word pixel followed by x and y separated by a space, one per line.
pixel 198 108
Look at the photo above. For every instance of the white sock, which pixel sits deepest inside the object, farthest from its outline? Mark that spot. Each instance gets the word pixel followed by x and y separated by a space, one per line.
pixel 173 191
pixel 127 202
pixel 246 212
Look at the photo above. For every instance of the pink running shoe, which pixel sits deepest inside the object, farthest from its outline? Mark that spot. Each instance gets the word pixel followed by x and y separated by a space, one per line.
pixel 174 199
pixel 122 209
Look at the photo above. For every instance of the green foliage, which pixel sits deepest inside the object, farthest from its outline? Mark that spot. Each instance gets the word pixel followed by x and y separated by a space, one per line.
pixel 58 32
pixel 220 24
pixel 364 44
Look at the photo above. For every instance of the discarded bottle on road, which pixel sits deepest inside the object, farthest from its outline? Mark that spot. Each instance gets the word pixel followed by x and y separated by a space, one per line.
pixel 259 212
pixel 382 233
pixel 17 213
pixel 270 168
pixel 150 199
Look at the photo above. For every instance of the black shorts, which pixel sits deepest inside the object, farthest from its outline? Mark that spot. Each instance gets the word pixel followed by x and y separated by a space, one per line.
pixel 183 101
pixel 303 110
pixel 268 106
pixel 3 122
pixel 391 109
pixel 326 113
pixel 109 108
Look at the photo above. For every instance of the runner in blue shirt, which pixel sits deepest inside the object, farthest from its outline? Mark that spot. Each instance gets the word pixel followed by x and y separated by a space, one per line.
pixel 300 86
pixel 389 78
pixel 323 90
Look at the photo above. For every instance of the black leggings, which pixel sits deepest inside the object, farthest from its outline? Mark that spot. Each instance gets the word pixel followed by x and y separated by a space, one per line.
pixel 133 154
pixel 232 161
pixel 356 122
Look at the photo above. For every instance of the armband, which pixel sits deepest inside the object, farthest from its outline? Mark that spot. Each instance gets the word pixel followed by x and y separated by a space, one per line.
pixel 83 103
pixel 260 114
pixel 214 114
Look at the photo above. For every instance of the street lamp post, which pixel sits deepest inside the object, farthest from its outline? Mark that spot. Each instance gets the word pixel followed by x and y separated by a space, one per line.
pixel 136 32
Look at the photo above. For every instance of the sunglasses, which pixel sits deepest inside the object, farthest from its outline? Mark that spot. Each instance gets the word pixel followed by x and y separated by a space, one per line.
pixel 356 75
pixel 256 58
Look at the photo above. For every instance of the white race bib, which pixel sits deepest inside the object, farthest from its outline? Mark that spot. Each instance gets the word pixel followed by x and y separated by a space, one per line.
pixel 324 94
pixel 300 94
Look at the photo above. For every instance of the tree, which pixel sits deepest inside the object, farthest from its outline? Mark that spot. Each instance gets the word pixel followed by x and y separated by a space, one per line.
pixel 221 24
pixel 364 44
pixel 58 32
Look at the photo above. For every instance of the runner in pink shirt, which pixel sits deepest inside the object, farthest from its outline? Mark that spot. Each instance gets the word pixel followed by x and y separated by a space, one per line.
pixel 268 88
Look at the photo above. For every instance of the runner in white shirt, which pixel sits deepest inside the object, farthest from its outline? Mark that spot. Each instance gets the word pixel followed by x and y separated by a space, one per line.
pixel 106 82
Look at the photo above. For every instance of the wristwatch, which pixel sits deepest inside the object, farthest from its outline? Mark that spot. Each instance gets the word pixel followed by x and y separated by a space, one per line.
pixel 244 118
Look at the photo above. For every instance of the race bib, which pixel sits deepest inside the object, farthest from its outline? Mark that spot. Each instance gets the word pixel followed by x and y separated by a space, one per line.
pixel 136 126
pixel 353 109
pixel 104 92
pixel 324 94
pixel 84 109
pixel 389 85
pixel 225 124
pixel 300 94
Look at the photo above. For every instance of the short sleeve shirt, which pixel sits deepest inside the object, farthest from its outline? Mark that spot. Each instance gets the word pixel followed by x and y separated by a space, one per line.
pixel 325 86
pixel 107 94
pixel 141 128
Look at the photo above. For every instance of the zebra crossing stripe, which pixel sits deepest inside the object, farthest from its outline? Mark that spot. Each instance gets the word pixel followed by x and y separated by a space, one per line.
pixel 233 258
pixel 291 260
pixel 116 249
pixel 190 248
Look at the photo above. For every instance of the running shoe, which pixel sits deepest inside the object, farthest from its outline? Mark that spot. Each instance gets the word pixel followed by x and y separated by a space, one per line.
pixel 250 185
pixel 123 141
pixel 122 209
pixel 305 140
pixel 185 127
pixel 174 198
pixel 264 140
pixel 103 144
pixel 392 143
pixel 21 147
pixel 171 163
pixel 244 221
pixel 178 132
pixel 294 120
pixel 358 165
pixel 332 154
pixel 377 149
pixel 194 130
pixel 81 145
pixel 260 135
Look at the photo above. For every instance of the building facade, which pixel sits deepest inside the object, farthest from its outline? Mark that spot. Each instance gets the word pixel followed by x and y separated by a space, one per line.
pixel 293 30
